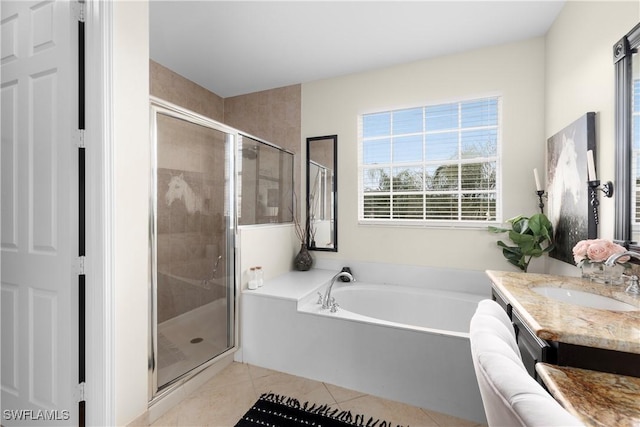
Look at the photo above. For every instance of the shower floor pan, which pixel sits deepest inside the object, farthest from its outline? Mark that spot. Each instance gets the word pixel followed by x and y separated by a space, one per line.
pixel 190 339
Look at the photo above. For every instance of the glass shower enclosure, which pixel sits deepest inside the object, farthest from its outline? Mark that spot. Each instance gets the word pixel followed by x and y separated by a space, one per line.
pixel 192 244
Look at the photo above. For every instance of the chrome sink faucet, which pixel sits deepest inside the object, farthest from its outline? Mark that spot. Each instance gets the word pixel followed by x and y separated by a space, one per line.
pixel 634 286
pixel 326 299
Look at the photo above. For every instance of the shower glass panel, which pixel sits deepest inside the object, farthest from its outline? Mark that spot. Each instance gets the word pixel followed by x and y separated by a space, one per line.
pixel 265 183
pixel 193 243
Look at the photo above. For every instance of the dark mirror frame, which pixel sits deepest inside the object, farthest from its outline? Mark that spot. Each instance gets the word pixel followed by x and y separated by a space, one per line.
pixel 334 184
pixel 623 51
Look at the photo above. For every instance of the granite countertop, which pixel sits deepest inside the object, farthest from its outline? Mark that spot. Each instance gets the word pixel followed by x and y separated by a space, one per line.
pixel 557 321
pixel 596 398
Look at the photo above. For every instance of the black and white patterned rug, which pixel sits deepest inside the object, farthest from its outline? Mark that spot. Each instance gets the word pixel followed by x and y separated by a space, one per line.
pixel 272 410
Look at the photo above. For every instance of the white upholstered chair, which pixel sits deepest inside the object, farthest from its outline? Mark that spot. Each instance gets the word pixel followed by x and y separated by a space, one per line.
pixel 509 395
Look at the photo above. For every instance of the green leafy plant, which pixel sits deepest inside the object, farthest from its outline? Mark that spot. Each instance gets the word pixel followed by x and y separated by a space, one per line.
pixel 533 237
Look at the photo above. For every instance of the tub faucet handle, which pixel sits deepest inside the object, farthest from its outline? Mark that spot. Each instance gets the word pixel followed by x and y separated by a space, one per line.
pixel 334 305
pixel 319 298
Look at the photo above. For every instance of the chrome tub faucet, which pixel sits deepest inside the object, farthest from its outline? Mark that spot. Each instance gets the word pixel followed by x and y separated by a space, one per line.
pixel 326 300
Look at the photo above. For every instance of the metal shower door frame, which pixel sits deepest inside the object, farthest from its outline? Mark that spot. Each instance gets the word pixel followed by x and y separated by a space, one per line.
pixel 159 106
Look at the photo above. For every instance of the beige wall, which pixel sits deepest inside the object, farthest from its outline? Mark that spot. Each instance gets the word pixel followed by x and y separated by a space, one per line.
pixel 272 115
pixel 190 225
pixel 514 71
pixel 188 242
pixel 172 87
pixel 131 211
pixel 580 78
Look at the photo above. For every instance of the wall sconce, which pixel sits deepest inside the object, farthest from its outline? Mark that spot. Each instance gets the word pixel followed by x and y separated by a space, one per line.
pixel 541 194
pixel 539 191
pixel 594 185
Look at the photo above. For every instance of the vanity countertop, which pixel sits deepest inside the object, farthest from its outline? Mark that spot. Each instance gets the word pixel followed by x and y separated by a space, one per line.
pixel 558 321
pixel 596 398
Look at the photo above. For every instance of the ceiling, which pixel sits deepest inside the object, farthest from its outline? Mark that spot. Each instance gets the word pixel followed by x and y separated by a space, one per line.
pixel 238 47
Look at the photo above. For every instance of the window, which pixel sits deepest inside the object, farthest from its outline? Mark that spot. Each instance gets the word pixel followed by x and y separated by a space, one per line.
pixel 438 163
pixel 635 155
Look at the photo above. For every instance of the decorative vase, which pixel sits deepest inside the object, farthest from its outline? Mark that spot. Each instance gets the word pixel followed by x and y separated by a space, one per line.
pixel 600 273
pixel 613 275
pixel 592 270
pixel 303 261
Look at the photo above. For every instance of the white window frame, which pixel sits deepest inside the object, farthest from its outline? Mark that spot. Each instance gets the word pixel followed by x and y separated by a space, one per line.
pixel 433 223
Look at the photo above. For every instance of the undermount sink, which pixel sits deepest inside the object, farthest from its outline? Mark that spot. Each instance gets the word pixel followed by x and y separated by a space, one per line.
pixel 584 299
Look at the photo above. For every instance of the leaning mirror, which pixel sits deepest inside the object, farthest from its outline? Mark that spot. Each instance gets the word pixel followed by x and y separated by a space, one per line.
pixel 627 127
pixel 322 187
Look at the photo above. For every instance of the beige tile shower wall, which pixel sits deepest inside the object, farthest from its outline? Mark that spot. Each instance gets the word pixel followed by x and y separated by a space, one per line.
pixel 170 86
pixel 190 218
pixel 272 115
pixel 275 116
pixel 187 243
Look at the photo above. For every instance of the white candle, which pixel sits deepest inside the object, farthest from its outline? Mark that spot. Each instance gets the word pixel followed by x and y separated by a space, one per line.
pixel 537 178
pixel 591 166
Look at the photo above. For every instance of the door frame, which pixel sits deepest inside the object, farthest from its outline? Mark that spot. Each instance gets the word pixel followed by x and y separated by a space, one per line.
pixel 99 266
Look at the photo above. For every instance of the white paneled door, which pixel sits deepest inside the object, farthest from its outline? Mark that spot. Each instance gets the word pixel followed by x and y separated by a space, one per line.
pixel 40 232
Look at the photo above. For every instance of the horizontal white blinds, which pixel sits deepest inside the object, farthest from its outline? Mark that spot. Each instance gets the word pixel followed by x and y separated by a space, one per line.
pixel 436 162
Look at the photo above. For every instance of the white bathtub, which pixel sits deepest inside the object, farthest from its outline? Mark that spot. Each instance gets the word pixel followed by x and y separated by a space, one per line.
pixel 404 343
pixel 427 310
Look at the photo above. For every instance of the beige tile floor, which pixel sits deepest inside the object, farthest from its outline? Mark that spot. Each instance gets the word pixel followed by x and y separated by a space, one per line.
pixel 223 400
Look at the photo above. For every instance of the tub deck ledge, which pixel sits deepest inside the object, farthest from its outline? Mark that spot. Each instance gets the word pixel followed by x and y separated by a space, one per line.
pixel 294 285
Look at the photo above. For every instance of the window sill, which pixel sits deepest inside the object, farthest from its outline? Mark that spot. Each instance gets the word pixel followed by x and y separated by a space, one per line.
pixel 461 225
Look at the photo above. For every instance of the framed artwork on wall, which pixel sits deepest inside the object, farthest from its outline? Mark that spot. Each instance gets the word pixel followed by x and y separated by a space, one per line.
pixel 569 210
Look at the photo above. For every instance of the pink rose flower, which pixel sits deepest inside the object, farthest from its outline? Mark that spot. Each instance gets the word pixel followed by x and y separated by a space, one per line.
pixel 615 248
pixel 580 250
pixel 598 250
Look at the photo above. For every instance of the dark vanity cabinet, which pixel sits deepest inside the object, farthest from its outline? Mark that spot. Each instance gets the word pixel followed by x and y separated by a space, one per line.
pixel 534 349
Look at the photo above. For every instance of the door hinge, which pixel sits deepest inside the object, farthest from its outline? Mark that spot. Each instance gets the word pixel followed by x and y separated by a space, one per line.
pixel 80 392
pixel 79 138
pixel 80 14
pixel 80 267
